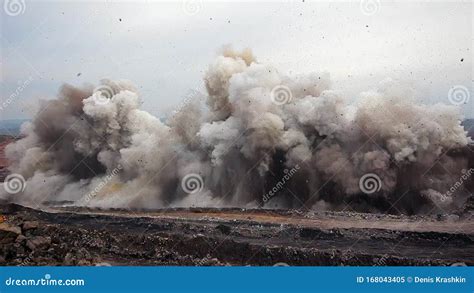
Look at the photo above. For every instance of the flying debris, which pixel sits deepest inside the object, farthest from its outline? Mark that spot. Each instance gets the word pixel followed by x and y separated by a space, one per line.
pixel 95 147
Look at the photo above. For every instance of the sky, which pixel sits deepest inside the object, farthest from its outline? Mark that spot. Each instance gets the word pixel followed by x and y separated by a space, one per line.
pixel 165 47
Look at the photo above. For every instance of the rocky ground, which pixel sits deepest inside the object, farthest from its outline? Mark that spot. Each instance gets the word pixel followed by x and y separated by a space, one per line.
pixel 206 237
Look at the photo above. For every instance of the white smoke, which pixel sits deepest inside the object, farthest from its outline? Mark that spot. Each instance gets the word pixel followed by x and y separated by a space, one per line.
pixel 240 145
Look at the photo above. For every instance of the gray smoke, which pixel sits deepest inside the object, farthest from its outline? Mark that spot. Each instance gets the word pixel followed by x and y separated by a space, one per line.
pixel 95 147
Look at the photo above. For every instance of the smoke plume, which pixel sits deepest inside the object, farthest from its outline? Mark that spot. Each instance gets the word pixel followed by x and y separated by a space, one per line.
pixel 93 146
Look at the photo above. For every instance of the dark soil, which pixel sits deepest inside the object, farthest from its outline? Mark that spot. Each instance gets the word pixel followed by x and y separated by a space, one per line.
pixel 229 237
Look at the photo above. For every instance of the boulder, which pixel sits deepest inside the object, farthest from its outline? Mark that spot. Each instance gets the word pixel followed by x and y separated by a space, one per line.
pixel 8 232
pixel 20 238
pixel 28 225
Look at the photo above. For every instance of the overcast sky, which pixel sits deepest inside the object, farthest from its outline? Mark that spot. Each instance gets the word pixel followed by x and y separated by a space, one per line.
pixel 164 48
